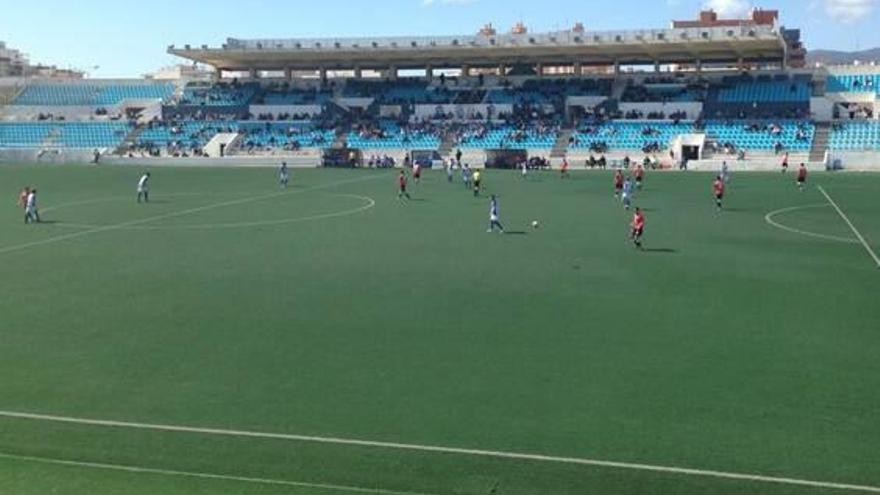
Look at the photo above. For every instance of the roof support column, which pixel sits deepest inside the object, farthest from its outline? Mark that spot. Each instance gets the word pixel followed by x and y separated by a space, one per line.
pixel 429 73
pixel 466 70
pixel 616 67
pixel 539 70
pixel 253 73
pixel 322 73
pixel 358 73
pixel 502 70
pixel 288 73
pixel 391 73
pixel 578 69
pixel 699 66
pixel 657 66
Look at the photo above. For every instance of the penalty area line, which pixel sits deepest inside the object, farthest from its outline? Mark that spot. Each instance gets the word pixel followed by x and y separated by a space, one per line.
pixel 197 475
pixel 595 463
pixel 174 214
pixel 858 234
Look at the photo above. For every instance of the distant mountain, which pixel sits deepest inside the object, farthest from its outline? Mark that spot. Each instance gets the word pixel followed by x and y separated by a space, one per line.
pixel 833 57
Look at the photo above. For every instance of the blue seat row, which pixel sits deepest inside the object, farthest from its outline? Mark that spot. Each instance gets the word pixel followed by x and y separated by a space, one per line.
pixel 856 136
pixel 846 83
pixel 77 135
pixel 69 94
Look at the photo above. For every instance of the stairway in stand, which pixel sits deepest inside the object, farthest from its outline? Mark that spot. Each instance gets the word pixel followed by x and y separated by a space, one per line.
pixel 820 142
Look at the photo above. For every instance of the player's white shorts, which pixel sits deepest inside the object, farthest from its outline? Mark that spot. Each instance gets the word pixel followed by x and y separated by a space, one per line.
pixel 142 190
pixel 30 211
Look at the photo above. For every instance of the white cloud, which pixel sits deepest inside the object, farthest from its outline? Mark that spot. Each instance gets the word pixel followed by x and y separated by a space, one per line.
pixel 428 3
pixel 731 8
pixel 849 11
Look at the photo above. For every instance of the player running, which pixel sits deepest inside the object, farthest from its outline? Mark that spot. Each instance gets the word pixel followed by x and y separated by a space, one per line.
pixel 494 216
pixel 639 174
pixel 417 173
pixel 718 190
pixel 450 170
pixel 31 214
pixel 638 228
pixel 22 197
pixel 725 172
pixel 143 188
pixel 627 194
pixel 618 183
pixel 283 175
pixel 802 177
pixel 564 170
pixel 401 182
pixel 785 162
pixel 478 183
pixel 466 176
pixel 525 169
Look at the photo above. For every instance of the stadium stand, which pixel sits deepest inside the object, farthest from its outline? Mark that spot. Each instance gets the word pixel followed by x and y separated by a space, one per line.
pixel 91 94
pixel 506 137
pixel 219 95
pixel 642 135
pixel 762 91
pixel 762 135
pixel 74 135
pixel 855 136
pixel 284 135
pixel 845 83
pixel 387 135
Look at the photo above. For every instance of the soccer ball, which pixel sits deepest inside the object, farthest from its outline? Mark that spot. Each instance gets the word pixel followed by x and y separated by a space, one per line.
pixel 535 224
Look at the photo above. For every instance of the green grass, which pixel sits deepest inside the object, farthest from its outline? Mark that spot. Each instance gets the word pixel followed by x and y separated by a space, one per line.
pixel 728 345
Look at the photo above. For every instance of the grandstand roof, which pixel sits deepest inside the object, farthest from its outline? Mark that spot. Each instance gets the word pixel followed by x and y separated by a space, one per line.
pixel 728 44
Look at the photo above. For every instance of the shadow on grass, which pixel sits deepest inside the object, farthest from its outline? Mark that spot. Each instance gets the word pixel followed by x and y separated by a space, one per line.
pixel 660 250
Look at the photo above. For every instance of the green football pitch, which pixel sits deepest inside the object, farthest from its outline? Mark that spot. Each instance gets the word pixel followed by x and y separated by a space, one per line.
pixel 233 337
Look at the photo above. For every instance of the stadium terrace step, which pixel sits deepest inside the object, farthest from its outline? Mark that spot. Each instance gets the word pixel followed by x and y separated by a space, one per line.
pixel 560 148
pixel 821 141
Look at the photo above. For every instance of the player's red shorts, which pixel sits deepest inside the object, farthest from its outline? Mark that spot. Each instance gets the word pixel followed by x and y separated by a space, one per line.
pixel 638 232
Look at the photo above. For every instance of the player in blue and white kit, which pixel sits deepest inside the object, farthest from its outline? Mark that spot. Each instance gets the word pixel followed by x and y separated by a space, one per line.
pixel 283 175
pixel 31 214
pixel 494 216
pixel 725 173
pixel 466 176
pixel 143 188
pixel 627 193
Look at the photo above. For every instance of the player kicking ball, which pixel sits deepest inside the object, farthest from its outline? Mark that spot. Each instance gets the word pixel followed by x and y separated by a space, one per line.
pixel 802 177
pixel 143 188
pixel 401 182
pixel 494 216
pixel 718 190
pixel 638 228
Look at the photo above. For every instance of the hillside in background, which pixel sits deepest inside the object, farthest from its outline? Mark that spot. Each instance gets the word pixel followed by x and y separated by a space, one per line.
pixel 832 57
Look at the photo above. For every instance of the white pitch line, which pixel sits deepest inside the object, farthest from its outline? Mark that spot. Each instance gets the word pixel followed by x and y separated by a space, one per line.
pixel 96 230
pixel 446 450
pixel 369 203
pixel 205 476
pixel 769 218
pixel 853 227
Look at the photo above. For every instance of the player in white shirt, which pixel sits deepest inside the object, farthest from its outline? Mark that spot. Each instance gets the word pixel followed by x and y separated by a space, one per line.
pixel 31 214
pixel 627 193
pixel 525 169
pixel 144 188
pixel 283 175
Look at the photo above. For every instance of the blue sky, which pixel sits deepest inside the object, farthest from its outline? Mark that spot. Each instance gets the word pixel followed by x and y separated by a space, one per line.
pixel 127 39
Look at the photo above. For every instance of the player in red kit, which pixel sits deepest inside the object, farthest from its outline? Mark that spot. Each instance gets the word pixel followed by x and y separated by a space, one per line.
pixel 718 190
pixel 638 227
pixel 802 177
pixel 401 181
pixel 565 168
pixel 639 174
pixel 618 183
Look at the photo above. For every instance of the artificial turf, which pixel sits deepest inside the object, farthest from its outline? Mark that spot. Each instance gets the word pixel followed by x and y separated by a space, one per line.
pixel 728 344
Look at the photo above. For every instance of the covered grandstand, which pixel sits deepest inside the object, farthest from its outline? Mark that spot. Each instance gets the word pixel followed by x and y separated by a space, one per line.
pixel 697 92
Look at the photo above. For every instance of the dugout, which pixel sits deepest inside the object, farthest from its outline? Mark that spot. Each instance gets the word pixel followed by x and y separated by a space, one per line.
pixel 506 159
pixel 342 158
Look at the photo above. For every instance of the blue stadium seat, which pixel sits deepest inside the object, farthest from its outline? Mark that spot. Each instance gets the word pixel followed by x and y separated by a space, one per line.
pixel 630 135
pixel 74 135
pixel 85 94
pixel 846 83
pixel 856 136
pixel 787 91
